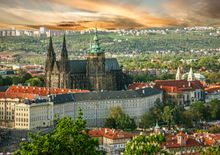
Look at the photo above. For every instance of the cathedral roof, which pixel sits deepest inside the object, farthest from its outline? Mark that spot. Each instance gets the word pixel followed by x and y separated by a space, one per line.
pixel 79 66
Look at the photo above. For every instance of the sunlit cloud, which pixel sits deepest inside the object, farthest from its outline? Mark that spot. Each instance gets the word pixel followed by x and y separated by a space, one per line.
pixel 111 14
pixel 194 12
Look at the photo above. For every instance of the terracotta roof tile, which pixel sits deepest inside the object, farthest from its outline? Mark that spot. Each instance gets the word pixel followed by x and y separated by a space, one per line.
pixel 213 88
pixel 42 91
pixel 110 133
pixel 18 95
pixel 171 141
pixel 135 86
pixel 177 86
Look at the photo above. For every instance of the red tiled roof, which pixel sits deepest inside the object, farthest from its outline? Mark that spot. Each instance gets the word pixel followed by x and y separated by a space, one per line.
pixel 135 86
pixel 171 141
pixel 207 138
pixel 42 91
pixel 181 134
pixel 212 88
pixel 18 95
pixel 177 86
pixel 110 133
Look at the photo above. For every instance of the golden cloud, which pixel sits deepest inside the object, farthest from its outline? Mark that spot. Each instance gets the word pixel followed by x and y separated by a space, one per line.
pixel 111 14
pixel 194 12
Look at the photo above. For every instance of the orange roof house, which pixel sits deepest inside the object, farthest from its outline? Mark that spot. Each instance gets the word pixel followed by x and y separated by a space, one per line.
pixel 177 86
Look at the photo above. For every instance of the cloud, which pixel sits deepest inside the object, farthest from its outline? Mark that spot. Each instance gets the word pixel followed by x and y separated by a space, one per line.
pixel 194 12
pixel 111 14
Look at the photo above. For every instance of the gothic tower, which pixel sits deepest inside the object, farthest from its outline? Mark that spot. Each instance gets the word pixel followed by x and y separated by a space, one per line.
pixel 95 67
pixel 64 67
pixel 190 75
pixel 179 73
pixel 50 61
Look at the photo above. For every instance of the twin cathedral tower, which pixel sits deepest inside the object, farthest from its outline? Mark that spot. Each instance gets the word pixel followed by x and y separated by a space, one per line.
pixel 94 73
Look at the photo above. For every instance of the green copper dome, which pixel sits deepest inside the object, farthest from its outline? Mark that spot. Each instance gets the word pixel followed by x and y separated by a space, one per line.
pixel 95 46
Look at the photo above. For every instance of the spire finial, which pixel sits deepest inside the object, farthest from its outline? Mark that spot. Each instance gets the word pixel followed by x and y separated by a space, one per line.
pixel 50 49
pixel 94 46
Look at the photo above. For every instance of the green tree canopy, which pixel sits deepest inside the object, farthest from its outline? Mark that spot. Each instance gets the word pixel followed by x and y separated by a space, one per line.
pixel 35 81
pixel 147 120
pixel 214 107
pixel 149 145
pixel 215 150
pixel 7 81
pixel 119 120
pixel 168 115
pixel 70 137
pixel 1 81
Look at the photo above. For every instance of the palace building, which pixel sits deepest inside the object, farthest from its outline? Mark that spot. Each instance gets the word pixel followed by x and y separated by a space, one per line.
pixel 95 73
pixel 25 107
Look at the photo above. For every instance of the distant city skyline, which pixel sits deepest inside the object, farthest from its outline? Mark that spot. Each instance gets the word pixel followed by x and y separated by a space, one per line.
pixel 111 14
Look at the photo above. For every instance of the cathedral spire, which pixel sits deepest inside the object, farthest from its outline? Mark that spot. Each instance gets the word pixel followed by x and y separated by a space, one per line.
pixel 51 56
pixel 179 73
pixel 64 57
pixel 64 53
pixel 190 75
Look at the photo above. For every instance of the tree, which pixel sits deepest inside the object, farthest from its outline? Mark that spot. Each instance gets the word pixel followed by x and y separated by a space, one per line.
pixel 35 81
pixel 178 114
pixel 116 112
pixel 119 120
pixel 168 115
pixel 7 81
pixel 148 145
pixel 124 122
pixel 147 120
pixel 69 137
pixel 24 76
pixel 16 80
pixel 154 114
pixel 215 150
pixel 1 81
pixel 157 110
pixel 198 108
pixel 214 107
pixel 110 123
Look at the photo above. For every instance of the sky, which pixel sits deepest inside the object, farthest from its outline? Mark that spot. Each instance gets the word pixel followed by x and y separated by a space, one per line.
pixel 108 14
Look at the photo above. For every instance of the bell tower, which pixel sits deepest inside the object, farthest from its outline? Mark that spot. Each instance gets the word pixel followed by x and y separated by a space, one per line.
pixel 95 67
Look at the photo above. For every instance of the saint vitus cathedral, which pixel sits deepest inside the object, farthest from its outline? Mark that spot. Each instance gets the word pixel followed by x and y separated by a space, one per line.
pixel 95 73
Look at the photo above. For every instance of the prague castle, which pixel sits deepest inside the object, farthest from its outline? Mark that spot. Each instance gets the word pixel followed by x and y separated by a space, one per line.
pixel 95 73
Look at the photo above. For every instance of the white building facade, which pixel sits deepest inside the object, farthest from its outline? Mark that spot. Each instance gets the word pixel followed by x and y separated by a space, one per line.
pixel 95 107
